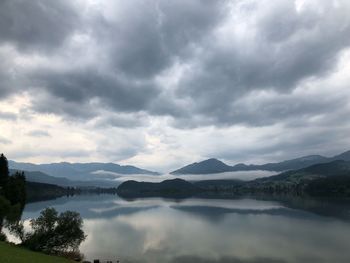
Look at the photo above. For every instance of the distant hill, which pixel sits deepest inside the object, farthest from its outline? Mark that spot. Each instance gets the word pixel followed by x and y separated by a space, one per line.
pixel 39 191
pixel 325 179
pixel 40 177
pixel 334 168
pixel 218 185
pixel 329 179
pixel 174 187
pixel 215 166
pixel 81 171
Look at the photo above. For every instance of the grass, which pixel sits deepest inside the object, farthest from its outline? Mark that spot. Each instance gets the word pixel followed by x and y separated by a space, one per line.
pixel 14 254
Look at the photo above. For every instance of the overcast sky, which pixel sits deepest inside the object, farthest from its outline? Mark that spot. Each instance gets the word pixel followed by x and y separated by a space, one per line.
pixel 160 84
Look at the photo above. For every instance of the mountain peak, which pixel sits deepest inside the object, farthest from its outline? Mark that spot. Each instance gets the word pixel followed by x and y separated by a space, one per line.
pixel 213 161
pixel 213 165
pixel 208 166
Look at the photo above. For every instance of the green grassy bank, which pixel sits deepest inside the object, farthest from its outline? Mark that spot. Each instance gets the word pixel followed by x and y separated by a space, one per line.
pixel 13 254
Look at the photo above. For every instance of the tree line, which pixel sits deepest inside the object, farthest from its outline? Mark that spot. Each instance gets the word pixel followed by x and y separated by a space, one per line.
pixel 12 196
pixel 12 188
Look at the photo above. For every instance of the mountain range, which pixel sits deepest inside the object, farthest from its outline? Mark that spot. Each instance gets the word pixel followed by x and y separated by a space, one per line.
pixel 40 177
pixel 81 171
pixel 104 174
pixel 213 165
pixel 323 179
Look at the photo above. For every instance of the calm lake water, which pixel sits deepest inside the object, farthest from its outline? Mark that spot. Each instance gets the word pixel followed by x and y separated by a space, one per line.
pixel 209 230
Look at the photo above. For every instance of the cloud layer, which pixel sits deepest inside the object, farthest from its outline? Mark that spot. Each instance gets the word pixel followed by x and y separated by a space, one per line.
pixel 162 83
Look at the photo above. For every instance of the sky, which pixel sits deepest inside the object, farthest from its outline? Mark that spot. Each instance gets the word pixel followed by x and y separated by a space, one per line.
pixel 160 84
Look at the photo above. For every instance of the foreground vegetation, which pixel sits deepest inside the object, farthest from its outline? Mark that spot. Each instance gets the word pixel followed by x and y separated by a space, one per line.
pixel 52 232
pixel 14 254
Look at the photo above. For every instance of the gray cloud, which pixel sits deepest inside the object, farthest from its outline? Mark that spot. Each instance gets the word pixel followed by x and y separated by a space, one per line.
pixel 37 25
pixel 122 121
pixel 136 48
pixel 38 133
pixel 4 140
pixel 81 94
pixel 199 64
pixel 267 59
pixel 31 152
pixel 9 78
pixel 8 115
pixel 148 36
pixel 279 48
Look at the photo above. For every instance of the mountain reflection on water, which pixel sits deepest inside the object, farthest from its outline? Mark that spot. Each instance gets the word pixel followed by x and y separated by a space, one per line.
pixel 243 230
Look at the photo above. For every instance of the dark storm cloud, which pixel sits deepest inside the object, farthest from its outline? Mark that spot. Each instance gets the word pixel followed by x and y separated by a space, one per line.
pixel 144 38
pixel 81 93
pixel 8 77
pixel 229 49
pixel 44 102
pixel 31 27
pixel 36 25
pixel 268 108
pixel 135 45
pixel 284 48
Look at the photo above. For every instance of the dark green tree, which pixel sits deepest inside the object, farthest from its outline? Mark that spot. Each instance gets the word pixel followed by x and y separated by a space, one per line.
pixel 15 189
pixel 10 216
pixel 4 171
pixel 4 209
pixel 12 196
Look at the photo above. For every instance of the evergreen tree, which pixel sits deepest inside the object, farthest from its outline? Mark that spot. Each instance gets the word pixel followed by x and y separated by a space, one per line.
pixel 15 189
pixel 4 171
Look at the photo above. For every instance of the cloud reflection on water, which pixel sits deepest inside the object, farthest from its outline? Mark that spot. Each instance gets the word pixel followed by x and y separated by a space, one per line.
pixel 241 230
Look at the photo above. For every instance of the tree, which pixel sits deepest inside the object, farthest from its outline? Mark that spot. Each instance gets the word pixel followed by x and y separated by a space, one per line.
pixel 53 233
pixel 4 208
pixel 4 171
pixel 45 223
pixel 15 189
pixel 69 233
pixel 9 215
pixel 12 196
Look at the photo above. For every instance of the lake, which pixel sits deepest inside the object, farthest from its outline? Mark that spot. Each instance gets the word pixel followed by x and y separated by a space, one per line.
pixel 244 230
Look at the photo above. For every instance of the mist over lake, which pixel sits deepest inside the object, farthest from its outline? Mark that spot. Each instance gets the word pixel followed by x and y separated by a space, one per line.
pixel 240 175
